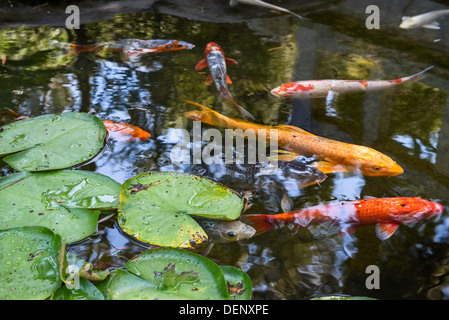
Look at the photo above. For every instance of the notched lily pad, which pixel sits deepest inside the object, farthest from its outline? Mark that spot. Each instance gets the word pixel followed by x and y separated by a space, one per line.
pixel 156 207
pixel 51 142
pixel 60 200
pixel 168 273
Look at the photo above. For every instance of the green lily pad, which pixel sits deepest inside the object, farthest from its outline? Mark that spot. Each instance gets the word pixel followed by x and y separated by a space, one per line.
pixel 85 291
pixel 155 207
pixel 168 273
pixel 239 284
pixel 28 263
pixel 60 200
pixel 51 141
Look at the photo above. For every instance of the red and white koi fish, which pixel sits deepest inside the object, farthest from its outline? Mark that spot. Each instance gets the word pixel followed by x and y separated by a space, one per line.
pixel 132 47
pixel 322 88
pixel 385 213
pixel 214 58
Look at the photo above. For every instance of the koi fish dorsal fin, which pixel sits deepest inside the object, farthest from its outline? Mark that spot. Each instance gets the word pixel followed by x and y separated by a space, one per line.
pixel 201 106
pixel 292 129
pixel 201 65
pixel 385 230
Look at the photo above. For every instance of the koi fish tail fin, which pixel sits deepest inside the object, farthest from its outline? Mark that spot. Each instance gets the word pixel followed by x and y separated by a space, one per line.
pixel 260 222
pixel 420 75
pixel 206 115
pixel 243 112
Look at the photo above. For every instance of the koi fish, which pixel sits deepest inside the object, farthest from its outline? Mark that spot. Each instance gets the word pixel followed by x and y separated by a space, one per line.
pixel 125 131
pixel 260 3
pixel 425 20
pixel 332 155
pixel 385 213
pixel 116 130
pixel 132 47
pixel 226 231
pixel 214 58
pixel 323 88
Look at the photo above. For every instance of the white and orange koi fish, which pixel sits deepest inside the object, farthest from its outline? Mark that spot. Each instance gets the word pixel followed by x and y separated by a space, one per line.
pixel 324 88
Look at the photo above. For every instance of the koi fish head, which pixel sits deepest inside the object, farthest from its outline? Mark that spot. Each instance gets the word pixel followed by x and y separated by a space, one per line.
pixel 227 231
pixel 409 23
pixel 414 209
pixel 176 45
pixel 212 46
pixel 373 163
pixel 293 89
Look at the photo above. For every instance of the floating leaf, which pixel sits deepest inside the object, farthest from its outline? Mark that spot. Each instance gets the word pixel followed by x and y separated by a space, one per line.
pixel 28 263
pixel 58 200
pixel 168 273
pixel 239 284
pixel 155 207
pixel 51 141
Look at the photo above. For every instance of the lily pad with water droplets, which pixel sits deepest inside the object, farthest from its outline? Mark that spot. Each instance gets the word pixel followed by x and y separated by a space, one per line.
pixel 51 142
pixel 168 273
pixel 62 200
pixel 156 207
pixel 28 263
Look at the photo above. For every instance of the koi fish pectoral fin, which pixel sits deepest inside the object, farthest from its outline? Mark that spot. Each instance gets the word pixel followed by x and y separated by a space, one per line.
pixel 201 65
pixel 433 25
pixel 283 155
pixel 385 230
pixel 328 167
pixel 228 80
pixel 230 61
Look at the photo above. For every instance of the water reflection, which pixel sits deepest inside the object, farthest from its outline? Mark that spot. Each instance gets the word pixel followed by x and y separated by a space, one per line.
pixel 409 124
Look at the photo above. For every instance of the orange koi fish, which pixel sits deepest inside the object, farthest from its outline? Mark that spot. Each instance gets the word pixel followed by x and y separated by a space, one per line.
pixel 133 47
pixel 322 88
pixel 385 213
pixel 332 156
pixel 216 61
pixel 125 131
pixel 117 130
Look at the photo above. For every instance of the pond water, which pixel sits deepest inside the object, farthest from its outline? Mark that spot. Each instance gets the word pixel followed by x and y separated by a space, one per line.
pixel 410 123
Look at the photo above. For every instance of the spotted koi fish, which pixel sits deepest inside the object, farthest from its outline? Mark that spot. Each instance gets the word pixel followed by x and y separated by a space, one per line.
pixel 322 88
pixel 214 58
pixel 385 213
pixel 132 47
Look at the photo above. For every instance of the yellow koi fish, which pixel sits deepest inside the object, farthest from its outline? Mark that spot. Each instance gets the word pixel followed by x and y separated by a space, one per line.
pixel 332 156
